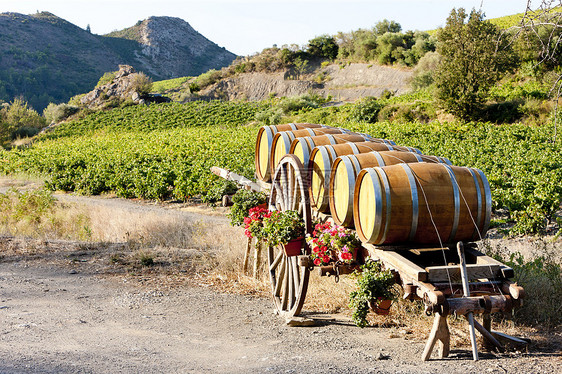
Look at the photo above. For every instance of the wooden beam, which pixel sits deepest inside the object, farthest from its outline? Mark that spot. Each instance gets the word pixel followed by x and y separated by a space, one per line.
pixel 510 340
pixel 236 178
pixel 481 258
pixel 419 251
pixel 487 335
pixel 453 273
pixel 398 262
pixel 439 332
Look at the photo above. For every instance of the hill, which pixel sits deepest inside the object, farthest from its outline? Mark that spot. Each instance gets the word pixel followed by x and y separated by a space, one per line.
pixel 47 59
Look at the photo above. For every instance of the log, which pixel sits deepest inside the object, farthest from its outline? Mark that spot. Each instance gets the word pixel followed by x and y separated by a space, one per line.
pixel 236 178
pixel 476 305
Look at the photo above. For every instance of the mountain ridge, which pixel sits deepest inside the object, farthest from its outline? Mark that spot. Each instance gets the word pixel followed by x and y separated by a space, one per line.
pixel 45 58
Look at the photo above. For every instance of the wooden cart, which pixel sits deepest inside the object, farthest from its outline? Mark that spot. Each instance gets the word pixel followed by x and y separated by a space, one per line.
pixel 452 279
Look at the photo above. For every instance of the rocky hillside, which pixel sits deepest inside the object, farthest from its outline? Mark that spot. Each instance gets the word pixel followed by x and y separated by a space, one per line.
pixel 170 47
pixel 47 59
pixel 343 83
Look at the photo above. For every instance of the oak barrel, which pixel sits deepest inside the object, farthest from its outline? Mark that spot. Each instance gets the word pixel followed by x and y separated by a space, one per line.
pixel 282 141
pixel 425 203
pixel 346 168
pixel 321 162
pixel 302 147
pixel 264 141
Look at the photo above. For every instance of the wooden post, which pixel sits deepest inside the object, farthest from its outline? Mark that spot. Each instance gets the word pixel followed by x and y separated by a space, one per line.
pixel 257 258
pixel 439 331
pixel 469 316
pixel 247 256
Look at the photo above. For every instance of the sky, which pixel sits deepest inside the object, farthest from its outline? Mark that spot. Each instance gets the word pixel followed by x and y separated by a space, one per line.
pixel 245 27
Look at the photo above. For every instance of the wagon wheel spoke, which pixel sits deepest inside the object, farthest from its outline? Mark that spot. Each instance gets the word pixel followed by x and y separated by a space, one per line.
pixel 289 281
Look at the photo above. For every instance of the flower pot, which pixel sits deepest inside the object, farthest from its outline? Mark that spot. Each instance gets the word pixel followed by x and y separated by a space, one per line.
pixel 293 247
pixel 381 306
pixel 264 206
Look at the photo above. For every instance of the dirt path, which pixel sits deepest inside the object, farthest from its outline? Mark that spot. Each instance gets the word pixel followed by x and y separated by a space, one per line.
pixel 60 314
pixel 53 320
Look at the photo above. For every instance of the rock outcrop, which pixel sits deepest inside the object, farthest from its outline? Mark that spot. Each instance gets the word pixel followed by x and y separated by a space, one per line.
pixel 123 87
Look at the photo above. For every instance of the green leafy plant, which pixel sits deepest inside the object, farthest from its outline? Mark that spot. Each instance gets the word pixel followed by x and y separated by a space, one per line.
pixel 282 226
pixel 243 201
pixel 373 284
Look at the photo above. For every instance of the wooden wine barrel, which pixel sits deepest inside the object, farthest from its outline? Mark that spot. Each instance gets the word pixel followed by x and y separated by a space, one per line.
pixel 423 203
pixel 302 147
pixel 345 170
pixel 321 162
pixel 282 141
pixel 264 141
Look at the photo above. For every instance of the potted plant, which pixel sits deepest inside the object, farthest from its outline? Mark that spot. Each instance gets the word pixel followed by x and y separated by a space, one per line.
pixel 374 289
pixel 285 228
pixel 331 243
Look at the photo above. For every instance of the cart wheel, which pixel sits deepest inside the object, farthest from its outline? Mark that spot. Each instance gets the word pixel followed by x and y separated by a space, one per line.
pixel 289 281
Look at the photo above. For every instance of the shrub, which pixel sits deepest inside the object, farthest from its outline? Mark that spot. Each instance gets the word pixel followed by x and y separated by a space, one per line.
pixel 141 83
pixel 366 110
pixel 57 113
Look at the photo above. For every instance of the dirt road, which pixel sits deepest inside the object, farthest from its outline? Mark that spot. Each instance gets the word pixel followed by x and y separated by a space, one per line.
pixel 60 314
pixel 67 319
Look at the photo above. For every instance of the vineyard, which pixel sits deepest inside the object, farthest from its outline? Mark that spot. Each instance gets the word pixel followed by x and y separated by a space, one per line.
pixel 166 151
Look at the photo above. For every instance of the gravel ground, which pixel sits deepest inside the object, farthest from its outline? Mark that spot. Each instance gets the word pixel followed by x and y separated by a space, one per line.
pixel 56 319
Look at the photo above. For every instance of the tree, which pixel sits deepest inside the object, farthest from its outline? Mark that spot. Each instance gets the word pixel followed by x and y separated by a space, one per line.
pixel 473 58
pixel 385 26
pixel 323 46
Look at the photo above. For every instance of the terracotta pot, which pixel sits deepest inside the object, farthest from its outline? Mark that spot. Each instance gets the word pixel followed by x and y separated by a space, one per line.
pixel 381 306
pixel 293 247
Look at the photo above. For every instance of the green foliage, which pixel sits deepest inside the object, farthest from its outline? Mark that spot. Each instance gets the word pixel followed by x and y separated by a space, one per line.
pixel 521 162
pixel 57 113
pixel 323 46
pixel 282 226
pixel 386 44
pixel 384 26
pixel 18 118
pixel 169 84
pixel 208 78
pixel 106 78
pixel 424 70
pixel 151 152
pixel 372 283
pixel 243 201
pixel 218 190
pixel 473 58
pixel 367 110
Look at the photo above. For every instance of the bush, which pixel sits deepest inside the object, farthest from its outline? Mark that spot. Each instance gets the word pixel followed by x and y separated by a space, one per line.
pixel 423 72
pixel 367 110
pixel 54 113
pixel 141 83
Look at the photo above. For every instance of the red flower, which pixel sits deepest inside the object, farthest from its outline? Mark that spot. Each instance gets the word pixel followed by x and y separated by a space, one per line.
pixel 346 256
pixel 316 250
pixel 326 259
pixel 317 262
